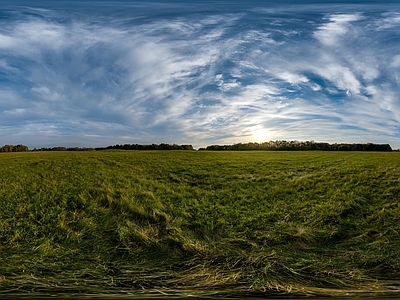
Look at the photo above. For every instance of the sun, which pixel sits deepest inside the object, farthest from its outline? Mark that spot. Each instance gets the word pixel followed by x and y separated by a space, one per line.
pixel 260 135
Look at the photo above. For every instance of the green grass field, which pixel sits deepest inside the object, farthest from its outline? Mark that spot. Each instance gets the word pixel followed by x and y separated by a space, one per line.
pixel 230 223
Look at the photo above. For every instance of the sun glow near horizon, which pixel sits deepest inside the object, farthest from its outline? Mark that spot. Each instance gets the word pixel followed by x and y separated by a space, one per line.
pixel 261 135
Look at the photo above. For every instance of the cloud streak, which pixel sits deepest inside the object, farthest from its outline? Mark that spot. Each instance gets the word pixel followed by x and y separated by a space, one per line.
pixel 136 75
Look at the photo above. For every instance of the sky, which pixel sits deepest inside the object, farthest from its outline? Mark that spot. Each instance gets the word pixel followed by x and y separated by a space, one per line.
pixel 97 73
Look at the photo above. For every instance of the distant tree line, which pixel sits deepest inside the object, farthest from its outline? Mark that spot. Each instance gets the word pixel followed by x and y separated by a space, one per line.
pixel 279 145
pixel 63 149
pixel 298 145
pixel 161 146
pixel 12 148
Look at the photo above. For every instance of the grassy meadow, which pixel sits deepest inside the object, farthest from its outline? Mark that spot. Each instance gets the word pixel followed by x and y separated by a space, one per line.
pixel 228 223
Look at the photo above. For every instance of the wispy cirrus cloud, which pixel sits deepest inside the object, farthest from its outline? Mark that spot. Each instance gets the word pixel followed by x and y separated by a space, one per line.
pixel 336 28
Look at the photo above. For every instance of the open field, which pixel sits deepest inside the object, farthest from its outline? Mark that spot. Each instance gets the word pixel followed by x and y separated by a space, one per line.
pixel 310 223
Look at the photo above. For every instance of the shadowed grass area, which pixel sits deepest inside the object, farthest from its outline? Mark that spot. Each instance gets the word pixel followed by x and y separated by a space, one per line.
pixel 303 223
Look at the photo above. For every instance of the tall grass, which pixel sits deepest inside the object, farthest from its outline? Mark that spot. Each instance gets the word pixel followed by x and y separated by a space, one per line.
pixel 225 222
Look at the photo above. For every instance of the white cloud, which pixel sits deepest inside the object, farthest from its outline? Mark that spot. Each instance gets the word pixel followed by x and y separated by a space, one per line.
pixel 342 77
pixel 389 20
pixel 338 25
pixel 315 87
pixel 292 78
pixel 45 93
pixel 395 62
pixel 7 42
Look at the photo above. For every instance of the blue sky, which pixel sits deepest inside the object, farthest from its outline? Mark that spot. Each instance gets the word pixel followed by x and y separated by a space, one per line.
pixel 96 73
